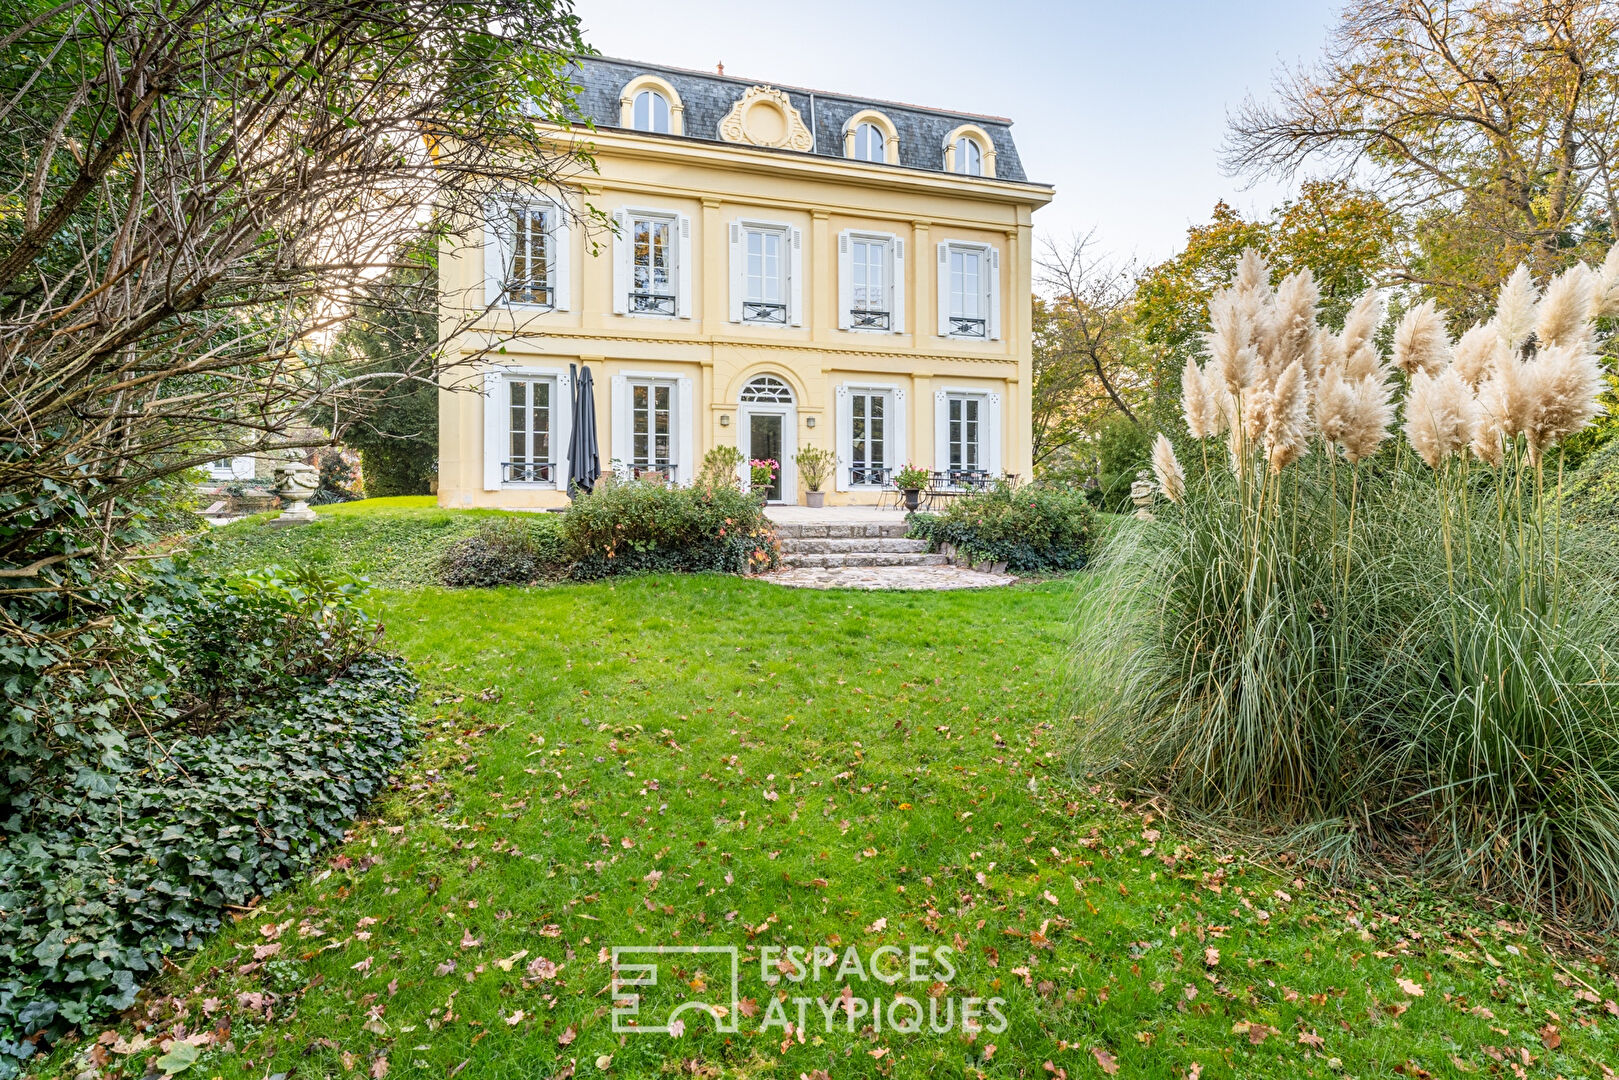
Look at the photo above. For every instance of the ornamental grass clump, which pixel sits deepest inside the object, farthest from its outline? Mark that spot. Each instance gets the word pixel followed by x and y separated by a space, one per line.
pixel 1385 647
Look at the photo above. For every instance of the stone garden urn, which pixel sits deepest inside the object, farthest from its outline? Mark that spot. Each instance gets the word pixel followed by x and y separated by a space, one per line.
pixel 296 481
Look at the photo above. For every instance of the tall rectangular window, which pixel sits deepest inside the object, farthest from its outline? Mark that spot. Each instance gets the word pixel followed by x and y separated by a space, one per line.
pixel 529 426
pixel 870 306
pixel 652 428
pixel 964 421
pixel 969 303
pixel 653 282
pixel 528 273
pixel 764 297
pixel 869 462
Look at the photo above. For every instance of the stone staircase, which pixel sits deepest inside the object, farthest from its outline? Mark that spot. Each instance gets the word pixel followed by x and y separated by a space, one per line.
pixel 835 545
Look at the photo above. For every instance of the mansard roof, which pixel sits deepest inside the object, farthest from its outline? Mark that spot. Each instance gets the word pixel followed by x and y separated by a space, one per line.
pixel 707 97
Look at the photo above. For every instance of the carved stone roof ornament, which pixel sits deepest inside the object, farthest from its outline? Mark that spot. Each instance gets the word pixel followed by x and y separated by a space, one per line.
pixel 764 116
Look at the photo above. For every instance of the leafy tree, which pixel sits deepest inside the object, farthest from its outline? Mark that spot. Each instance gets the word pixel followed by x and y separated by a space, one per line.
pixel 1490 123
pixel 393 423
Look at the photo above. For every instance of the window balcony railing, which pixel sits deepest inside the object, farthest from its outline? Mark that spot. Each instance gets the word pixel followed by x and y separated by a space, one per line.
pixel 757 311
pixel 968 479
pixel 528 292
pixel 643 303
pixel 960 326
pixel 861 319
pixel 665 470
pixel 868 475
pixel 528 472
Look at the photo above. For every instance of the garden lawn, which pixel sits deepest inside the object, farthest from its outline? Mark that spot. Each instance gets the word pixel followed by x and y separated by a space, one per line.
pixel 721 762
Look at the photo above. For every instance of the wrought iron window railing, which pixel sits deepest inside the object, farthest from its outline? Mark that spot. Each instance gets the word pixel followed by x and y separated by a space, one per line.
pixel 528 472
pixel 965 327
pixel 527 292
pixel 869 320
pixel 667 470
pixel 643 303
pixel 758 311
pixel 871 475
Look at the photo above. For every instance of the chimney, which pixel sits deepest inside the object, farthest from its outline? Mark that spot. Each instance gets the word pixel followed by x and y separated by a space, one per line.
pixel 720 68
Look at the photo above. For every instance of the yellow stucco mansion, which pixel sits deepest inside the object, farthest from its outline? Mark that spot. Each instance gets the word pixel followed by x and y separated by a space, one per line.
pixel 786 268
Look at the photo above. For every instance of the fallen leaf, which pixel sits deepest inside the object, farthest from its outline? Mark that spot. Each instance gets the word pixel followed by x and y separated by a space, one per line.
pixel 515 1018
pixel 1104 1061
pixel 1311 1039
pixel 180 1057
pixel 604 1061
pixel 567 1036
pixel 1211 956
pixel 379 1067
pixel 1409 987
pixel 877 927
pixel 1551 1037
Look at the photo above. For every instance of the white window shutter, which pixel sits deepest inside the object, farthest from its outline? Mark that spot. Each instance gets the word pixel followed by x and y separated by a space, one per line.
pixel 738 271
pixel 898 450
pixel 685 436
pixel 992 437
pixel 494 430
pixel 494 255
pixel 795 274
pixel 897 306
pixel 683 270
pixel 941 431
pixel 623 244
pixel 845 281
pixel 844 429
pixel 944 290
pixel 619 438
pixel 994 294
pixel 561 256
pixel 561 429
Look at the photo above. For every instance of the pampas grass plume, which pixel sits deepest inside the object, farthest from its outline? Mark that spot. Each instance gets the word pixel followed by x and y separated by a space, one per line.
pixel 1476 354
pixel 1605 295
pixel 1420 341
pixel 1362 322
pixel 1439 415
pixel 1563 384
pixel 1287 424
pixel 1563 316
pixel 1167 468
pixel 1369 415
pixel 1515 309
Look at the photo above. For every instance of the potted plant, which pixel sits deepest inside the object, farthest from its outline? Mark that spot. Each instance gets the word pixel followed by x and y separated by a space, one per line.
pixel 814 465
pixel 911 480
pixel 761 471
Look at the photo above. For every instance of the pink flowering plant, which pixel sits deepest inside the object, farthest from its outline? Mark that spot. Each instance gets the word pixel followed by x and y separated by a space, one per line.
pixel 763 471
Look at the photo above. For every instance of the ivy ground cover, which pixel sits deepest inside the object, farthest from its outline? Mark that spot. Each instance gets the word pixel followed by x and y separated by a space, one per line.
pixel 706 761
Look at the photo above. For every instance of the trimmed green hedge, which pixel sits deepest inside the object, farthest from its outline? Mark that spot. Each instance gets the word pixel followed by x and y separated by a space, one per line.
pixel 1031 528
pixel 518 550
pixel 117 869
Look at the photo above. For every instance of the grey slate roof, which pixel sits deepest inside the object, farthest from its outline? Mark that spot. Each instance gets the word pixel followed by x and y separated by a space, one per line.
pixel 708 97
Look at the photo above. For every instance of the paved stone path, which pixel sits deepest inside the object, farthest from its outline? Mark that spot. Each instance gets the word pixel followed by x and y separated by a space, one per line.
pixel 886 577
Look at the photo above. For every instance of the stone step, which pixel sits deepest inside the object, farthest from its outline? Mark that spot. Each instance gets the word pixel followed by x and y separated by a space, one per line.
pixel 873 544
pixel 891 530
pixel 865 558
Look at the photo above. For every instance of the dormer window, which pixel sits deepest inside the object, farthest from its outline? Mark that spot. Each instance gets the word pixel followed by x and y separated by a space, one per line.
pixel 868 143
pixel 649 103
pixel 651 112
pixel 968 151
pixel 969 157
pixel 868 135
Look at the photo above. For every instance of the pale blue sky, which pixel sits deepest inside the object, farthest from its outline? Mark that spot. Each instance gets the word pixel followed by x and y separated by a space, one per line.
pixel 1120 104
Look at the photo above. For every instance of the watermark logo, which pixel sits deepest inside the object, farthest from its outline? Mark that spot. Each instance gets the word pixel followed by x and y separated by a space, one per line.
pixel 800 987
pixel 637 967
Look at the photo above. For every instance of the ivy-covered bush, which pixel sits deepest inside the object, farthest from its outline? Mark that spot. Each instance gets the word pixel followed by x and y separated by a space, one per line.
pixel 1031 528
pixel 104 875
pixel 506 551
pixel 191 747
pixel 646 525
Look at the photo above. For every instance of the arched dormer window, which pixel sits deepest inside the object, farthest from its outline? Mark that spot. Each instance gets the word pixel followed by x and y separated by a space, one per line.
pixel 969 151
pixel 868 135
pixel 649 103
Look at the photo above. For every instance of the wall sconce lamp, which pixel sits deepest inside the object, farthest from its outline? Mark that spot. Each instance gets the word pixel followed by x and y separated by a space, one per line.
pixel 809 421
pixel 725 419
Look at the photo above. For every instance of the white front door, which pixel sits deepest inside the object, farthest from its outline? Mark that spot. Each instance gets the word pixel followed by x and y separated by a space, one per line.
pixel 768 431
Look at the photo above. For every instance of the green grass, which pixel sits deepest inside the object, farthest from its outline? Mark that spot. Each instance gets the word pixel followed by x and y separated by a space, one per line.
pixel 714 761
pixel 394 542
